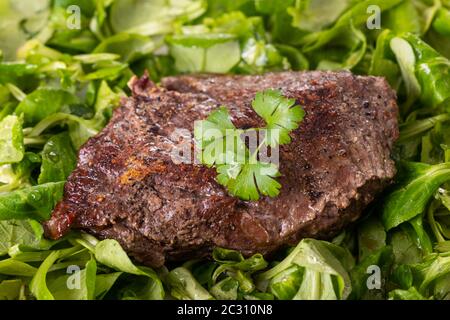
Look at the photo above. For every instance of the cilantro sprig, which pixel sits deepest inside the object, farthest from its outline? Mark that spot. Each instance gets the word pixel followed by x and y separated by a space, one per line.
pixel 239 167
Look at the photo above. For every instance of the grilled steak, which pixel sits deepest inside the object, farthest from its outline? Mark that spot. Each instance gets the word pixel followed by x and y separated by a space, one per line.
pixel 127 187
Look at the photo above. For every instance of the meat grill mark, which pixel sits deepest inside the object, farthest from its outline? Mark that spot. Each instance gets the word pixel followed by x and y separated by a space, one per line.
pixel 126 186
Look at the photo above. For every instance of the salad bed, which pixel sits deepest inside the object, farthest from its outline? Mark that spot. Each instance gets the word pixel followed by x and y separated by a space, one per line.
pixel 65 65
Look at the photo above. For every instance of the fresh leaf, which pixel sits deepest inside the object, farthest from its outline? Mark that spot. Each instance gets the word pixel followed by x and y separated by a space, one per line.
pixel 11 140
pixel 83 289
pixel 33 202
pixel 58 159
pixel 411 199
pixel 42 103
pixel 281 115
pixel 410 294
pixel 110 253
pixel 16 268
pixel 38 285
pixel 28 233
pixel 184 286
pixel 11 289
pixel 216 53
pixel 237 167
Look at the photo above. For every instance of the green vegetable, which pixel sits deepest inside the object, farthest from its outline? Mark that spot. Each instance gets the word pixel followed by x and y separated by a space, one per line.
pixel 410 200
pixel 325 276
pixel 432 71
pixel 314 15
pixel 58 159
pixel 227 289
pixel 42 103
pixel 111 254
pixel 410 294
pixel 16 268
pixel 216 53
pixel 406 60
pixel 86 289
pixel 11 140
pixel 237 166
pixel 11 289
pixel 26 233
pixel 104 283
pixel 33 202
pixel 442 22
pixel 60 85
pixel 184 286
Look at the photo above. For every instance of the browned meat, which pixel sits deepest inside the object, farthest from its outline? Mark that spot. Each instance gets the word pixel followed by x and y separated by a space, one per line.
pixel 127 187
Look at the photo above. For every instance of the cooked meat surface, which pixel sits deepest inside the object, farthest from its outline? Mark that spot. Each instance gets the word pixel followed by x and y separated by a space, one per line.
pixel 127 187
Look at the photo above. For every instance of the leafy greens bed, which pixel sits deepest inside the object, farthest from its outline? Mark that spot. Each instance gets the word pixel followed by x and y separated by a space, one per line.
pixel 65 68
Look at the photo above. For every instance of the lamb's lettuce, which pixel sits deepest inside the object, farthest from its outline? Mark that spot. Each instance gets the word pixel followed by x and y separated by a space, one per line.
pixel 34 202
pixel 11 140
pixel 59 87
pixel 58 159
pixel 412 196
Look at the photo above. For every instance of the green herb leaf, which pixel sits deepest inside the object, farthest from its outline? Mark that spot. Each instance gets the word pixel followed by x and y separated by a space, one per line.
pixel 222 145
pixel 280 114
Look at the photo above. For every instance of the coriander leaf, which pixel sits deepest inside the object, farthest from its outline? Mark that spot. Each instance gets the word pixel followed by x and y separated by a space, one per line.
pixel 11 140
pixel 223 146
pixel 58 159
pixel 281 115
pixel 248 180
pixel 219 139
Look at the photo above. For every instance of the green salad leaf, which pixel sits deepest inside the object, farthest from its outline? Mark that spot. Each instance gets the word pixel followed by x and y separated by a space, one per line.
pixel 35 202
pixel 62 77
pixel 410 200
pixel 11 142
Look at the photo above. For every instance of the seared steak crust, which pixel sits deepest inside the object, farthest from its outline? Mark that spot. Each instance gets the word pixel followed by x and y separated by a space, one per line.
pixel 127 187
